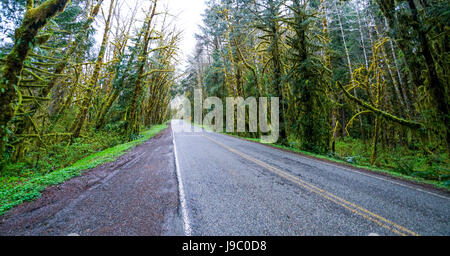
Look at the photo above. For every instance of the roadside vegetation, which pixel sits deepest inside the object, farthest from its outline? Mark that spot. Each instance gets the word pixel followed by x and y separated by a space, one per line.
pixel 404 165
pixel 360 81
pixel 62 89
pixel 401 164
pixel 25 181
pixel 79 82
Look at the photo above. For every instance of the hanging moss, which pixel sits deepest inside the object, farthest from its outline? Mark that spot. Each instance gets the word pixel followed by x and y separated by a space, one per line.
pixel 34 20
pixel 399 120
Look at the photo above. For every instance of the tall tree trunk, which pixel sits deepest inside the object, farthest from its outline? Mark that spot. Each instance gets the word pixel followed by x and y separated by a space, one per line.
pixel 412 29
pixel 434 84
pixel 350 68
pixel 34 20
pixel 275 54
pixel 398 94
pixel 132 126
pixel 92 84
pixel 373 156
pixel 24 125
pixel 397 68
pixel 363 45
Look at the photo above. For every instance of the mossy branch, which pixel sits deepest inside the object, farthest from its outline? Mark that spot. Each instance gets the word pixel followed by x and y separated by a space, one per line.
pixel 43 57
pixel 44 135
pixel 388 116
pixel 26 97
pixel 30 4
pixel 157 70
pixel 350 122
pixel 24 40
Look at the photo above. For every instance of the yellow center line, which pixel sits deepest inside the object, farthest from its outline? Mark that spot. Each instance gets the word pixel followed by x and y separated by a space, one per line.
pixel 381 221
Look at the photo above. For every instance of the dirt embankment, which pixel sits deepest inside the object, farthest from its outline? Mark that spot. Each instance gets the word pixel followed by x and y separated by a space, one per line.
pixel 135 195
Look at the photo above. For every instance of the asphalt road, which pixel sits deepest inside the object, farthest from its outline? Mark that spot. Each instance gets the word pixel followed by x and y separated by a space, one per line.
pixel 135 195
pixel 204 183
pixel 230 186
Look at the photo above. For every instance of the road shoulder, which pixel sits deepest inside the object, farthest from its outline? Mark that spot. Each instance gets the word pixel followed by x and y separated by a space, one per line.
pixel 135 195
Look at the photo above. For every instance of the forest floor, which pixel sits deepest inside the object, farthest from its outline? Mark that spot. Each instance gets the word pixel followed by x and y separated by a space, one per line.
pixel 135 195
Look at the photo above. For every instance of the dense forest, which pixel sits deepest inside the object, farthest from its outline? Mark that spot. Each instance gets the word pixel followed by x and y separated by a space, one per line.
pixel 361 81
pixel 80 76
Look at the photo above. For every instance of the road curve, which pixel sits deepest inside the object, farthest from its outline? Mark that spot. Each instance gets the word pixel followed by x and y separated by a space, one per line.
pixel 235 187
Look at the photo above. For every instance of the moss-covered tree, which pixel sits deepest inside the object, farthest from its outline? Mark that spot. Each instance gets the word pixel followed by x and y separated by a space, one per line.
pixel 25 37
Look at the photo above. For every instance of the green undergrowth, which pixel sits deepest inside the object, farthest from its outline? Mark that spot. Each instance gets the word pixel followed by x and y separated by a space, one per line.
pixel 17 185
pixel 401 162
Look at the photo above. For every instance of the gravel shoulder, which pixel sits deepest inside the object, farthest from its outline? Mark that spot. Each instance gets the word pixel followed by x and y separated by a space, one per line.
pixel 135 195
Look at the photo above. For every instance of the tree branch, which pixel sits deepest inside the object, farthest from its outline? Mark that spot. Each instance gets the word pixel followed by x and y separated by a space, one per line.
pixel 399 120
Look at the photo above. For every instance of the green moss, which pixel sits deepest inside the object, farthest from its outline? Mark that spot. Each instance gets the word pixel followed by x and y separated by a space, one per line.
pixel 47 9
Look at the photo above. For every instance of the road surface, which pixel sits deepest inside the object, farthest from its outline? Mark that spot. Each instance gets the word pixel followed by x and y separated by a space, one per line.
pixel 135 195
pixel 230 186
pixel 203 183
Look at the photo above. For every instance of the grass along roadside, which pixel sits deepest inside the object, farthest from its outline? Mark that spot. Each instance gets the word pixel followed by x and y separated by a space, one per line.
pixel 15 194
pixel 390 173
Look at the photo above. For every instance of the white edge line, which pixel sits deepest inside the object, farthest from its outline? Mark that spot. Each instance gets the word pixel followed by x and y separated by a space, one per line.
pixel 184 213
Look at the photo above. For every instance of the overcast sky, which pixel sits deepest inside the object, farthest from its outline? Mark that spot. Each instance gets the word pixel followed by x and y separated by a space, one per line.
pixel 188 17
pixel 188 20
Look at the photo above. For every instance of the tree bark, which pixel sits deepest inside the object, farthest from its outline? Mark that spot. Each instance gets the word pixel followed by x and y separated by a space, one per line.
pixel 132 126
pixel 81 117
pixel 349 63
pixel 34 20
